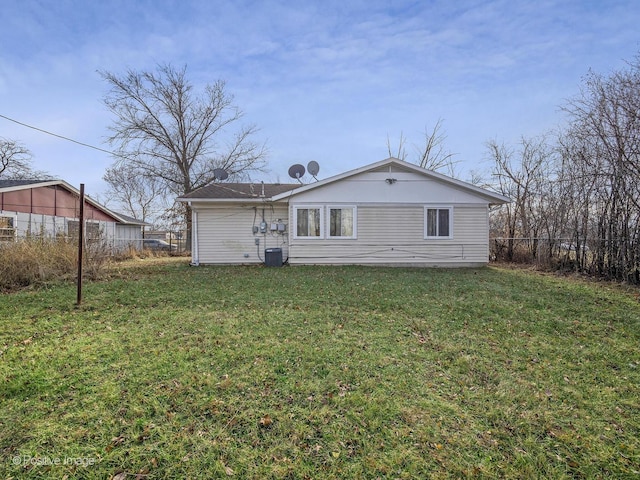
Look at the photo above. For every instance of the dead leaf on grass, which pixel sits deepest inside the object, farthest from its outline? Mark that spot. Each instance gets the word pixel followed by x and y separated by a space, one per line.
pixel 266 421
pixel 142 474
pixel 228 470
pixel 115 441
pixel 573 464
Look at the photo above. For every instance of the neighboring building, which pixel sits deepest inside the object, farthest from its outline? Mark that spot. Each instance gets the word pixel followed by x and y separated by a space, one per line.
pixel 51 208
pixel 387 213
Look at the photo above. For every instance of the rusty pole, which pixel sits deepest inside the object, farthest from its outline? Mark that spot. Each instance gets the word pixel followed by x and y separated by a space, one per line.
pixel 80 244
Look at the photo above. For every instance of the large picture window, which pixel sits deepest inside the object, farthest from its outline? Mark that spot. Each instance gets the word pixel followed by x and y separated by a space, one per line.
pixel 438 222
pixel 308 222
pixel 342 222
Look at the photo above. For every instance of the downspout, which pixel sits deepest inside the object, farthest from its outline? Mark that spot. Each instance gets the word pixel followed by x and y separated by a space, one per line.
pixel 195 260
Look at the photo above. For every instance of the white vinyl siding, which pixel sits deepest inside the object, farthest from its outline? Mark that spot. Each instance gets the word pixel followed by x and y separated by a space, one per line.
pixel 225 233
pixel 372 187
pixel 396 235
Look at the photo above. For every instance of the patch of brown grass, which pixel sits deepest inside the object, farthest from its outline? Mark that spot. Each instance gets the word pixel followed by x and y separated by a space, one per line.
pixel 36 261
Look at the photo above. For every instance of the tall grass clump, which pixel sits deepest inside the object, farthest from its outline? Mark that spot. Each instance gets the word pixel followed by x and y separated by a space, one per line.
pixel 36 261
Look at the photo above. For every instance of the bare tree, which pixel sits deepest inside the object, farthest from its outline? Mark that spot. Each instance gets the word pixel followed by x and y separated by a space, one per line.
pixel 137 193
pixel 583 194
pixel 604 136
pixel 401 152
pixel 431 154
pixel 505 219
pixel 526 176
pixel 166 129
pixel 15 162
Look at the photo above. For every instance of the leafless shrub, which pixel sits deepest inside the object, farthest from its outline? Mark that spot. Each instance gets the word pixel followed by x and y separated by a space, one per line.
pixel 36 261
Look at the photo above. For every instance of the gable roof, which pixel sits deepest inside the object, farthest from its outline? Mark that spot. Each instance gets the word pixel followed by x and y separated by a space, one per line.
pixel 391 163
pixel 14 185
pixel 238 191
pixel 234 192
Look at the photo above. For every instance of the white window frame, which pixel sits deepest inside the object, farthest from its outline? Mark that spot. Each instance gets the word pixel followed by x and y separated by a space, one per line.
pixel 295 221
pixel 94 232
pixel 10 237
pixel 354 209
pixel 426 226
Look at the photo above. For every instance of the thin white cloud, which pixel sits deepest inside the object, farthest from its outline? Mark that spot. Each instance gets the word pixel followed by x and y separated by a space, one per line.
pixel 326 80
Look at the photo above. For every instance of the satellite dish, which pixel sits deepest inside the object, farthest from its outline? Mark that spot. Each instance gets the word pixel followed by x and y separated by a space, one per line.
pixel 313 167
pixel 296 171
pixel 220 174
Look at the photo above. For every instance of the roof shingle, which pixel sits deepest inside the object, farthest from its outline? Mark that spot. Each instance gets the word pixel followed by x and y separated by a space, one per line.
pixel 18 183
pixel 244 191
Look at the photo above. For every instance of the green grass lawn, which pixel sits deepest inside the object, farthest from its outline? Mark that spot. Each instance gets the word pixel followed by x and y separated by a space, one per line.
pixel 170 371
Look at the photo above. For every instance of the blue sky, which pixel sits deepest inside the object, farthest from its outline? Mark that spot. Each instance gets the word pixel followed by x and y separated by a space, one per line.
pixel 323 80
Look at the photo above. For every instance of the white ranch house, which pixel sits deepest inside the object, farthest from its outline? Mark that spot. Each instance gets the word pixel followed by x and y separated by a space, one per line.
pixel 388 213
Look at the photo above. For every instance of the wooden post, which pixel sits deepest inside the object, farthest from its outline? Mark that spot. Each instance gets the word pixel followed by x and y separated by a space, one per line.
pixel 80 244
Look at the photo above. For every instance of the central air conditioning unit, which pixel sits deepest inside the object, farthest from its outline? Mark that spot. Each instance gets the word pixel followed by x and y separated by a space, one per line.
pixel 273 257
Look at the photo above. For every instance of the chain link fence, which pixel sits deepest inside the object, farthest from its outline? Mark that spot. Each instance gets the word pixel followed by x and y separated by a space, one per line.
pixel 554 253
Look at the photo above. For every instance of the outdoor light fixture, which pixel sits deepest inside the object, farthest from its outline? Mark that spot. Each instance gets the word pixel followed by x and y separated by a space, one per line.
pixel 391 181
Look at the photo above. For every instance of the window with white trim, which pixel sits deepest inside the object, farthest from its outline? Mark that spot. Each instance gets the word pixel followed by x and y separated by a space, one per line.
pixel 438 222
pixel 7 229
pixel 342 222
pixel 92 230
pixel 308 221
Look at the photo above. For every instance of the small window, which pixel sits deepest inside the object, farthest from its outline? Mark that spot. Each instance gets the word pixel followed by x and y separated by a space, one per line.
pixel 73 228
pixel 342 222
pixel 438 223
pixel 308 222
pixel 7 229
pixel 92 230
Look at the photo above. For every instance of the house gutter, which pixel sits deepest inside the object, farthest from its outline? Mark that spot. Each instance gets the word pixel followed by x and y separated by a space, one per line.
pixel 205 201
